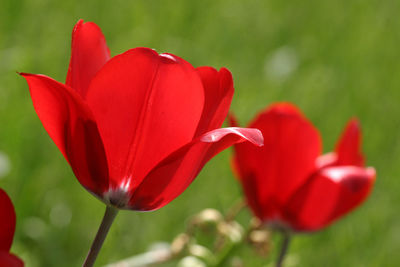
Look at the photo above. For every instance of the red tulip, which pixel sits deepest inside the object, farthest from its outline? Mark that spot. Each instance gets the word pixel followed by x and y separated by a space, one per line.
pixel 288 184
pixel 7 229
pixel 136 128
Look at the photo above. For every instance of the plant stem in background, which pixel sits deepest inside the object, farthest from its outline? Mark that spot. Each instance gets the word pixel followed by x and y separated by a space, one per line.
pixel 227 254
pixel 284 248
pixel 105 225
pixel 235 210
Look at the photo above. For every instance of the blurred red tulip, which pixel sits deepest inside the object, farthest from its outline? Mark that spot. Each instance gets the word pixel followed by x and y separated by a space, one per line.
pixel 288 184
pixel 136 128
pixel 7 229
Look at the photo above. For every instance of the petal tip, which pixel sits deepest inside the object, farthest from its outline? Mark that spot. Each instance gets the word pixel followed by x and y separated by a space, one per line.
pixel 79 22
pixel 169 58
pixel 371 173
pixel 258 138
pixel 354 121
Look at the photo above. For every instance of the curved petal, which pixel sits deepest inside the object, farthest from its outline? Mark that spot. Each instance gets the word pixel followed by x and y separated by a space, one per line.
pixel 70 123
pixel 328 195
pixel 89 52
pixel 218 93
pixel 176 172
pixel 10 260
pixel 146 105
pixel 269 175
pixel 7 221
pixel 348 149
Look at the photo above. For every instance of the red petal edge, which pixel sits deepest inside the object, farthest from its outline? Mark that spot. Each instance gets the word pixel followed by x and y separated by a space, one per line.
pixel 7 221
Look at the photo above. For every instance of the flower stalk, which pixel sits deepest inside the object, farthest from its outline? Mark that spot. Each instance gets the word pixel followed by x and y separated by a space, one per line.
pixel 105 225
pixel 284 248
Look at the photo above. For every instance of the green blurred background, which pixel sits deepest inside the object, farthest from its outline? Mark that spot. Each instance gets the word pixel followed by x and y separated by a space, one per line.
pixel 334 59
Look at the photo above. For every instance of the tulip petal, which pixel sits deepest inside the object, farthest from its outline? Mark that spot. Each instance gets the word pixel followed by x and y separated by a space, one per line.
pixel 89 52
pixel 70 124
pixel 270 174
pixel 348 149
pixel 174 174
pixel 147 106
pixel 10 260
pixel 218 93
pixel 328 195
pixel 7 222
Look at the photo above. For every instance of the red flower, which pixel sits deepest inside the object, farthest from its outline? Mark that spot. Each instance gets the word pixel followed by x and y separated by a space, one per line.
pixel 288 184
pixel 136 128
pixel 7 229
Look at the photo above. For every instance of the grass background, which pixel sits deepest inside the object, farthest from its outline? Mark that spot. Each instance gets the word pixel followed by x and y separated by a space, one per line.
pixel 334 59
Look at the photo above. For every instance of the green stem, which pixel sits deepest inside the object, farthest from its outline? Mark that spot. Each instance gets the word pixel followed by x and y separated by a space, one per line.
pixel 105 225
pixel 284 248
pixel 226 254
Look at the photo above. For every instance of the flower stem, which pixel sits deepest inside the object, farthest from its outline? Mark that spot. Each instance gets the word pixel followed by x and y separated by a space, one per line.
pixel 235 210
pixel 227 254
pixel 284 248
pixel 105 225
